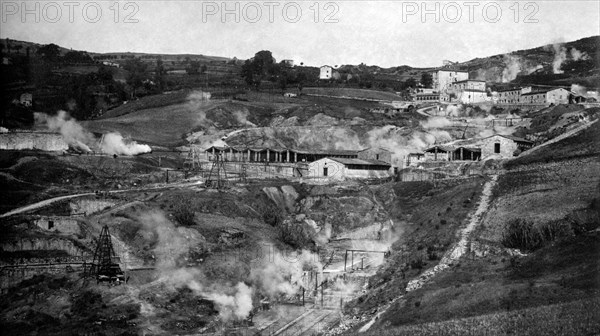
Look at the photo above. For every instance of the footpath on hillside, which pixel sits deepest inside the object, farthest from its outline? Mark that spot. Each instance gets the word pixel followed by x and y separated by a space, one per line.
pixel 453 255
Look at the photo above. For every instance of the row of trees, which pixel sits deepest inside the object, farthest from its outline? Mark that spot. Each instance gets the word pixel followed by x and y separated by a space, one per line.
pixel 263 67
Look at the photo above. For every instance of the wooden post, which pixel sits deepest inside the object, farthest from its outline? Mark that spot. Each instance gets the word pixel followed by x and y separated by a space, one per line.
pixel 345 259
pixel 352 264
pixel 303 290
pixel 287 156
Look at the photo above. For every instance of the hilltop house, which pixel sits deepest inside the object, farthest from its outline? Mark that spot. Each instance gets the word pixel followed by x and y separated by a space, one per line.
pixel 325 72
pixel 442 79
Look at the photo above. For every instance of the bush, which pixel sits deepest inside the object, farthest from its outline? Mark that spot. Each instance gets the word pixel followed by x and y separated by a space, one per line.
pixel 272 216
pixel 417 263
pixel 183 213
pixel 525 235
pixel 295 235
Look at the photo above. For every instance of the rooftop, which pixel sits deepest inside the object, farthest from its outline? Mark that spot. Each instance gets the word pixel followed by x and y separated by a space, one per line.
pixel 360 162
pixel 469 80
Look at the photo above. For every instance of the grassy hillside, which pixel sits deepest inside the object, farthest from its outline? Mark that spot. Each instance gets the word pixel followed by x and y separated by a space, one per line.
pixel 354 93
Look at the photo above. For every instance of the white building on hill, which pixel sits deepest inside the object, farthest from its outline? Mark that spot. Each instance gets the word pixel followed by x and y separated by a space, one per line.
pixel 551 97
pixel 325 72
pixel 442 79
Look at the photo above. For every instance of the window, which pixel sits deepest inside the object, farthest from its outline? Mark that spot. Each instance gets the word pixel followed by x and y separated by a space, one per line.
pixel 324 171
pixel 50 224
pixel 377 157
pixel 497 148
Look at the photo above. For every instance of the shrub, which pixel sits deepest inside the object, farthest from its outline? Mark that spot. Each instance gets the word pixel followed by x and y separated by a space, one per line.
pixel 524 234
pixel 417 263
pixel 272 216
pixel 294 235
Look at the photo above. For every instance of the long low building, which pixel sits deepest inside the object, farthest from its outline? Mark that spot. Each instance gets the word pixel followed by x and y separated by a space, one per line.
pixel 287 155
pixel 342 168
pixel 495 146
pixel 23 140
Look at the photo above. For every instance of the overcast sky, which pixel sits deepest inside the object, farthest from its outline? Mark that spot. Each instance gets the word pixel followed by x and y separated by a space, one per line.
pixel 384 33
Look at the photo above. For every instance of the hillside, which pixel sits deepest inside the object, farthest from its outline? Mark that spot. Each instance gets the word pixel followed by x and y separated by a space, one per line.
pixel 525 270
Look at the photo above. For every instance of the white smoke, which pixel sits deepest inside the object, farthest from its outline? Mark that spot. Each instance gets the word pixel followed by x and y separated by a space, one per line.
pixel 73 133
pixel 436 122
pixel 283 272
pixel 197 101
pixel 578 89
pixel 560 55
pixel 242 117
pixel 515 65
pixel 113 143
pixel 79 138
pixel 577 55
pixel 454 110
pixel 173 244
pixel 512 67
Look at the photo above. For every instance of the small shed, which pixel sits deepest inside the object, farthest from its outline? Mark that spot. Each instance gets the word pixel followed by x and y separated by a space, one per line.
pixel 503 146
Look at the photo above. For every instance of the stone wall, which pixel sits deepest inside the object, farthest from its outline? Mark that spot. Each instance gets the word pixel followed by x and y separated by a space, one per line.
pixel 58 224
pixel 32 140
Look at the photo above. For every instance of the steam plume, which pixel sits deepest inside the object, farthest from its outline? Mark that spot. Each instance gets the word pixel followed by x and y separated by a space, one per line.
pixel 79 138
pixel 113 143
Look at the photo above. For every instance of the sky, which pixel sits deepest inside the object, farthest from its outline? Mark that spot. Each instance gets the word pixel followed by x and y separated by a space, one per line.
pixel 384 33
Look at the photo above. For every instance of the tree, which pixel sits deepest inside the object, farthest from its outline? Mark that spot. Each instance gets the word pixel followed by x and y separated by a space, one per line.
pixel 49 52
pixel 410 83
pixel 136 73
pixel 78 57
pixel 159 74
pixel 426 79
pixel 193 67
pixel 259 68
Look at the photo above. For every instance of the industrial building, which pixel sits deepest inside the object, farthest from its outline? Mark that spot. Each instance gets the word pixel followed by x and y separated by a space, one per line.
pixel 342 168
pixel 495 146
pixel 554 97
pixel 287 155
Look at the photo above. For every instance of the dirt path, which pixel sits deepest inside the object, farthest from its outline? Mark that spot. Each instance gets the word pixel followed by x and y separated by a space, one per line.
pixel 452 255
pixel 60 198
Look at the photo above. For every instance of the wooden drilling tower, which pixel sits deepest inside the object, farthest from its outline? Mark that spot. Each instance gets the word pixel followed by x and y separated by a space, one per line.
pixel 105 265
pixel 217 177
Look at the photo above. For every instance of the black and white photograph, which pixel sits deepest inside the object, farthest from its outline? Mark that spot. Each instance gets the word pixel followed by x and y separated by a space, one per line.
pixel 300 167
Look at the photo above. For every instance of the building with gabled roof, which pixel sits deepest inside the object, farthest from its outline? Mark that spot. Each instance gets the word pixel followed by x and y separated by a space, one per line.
pixel 325 72
pixel 344 168
pixel 495 146
pixel 551 97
